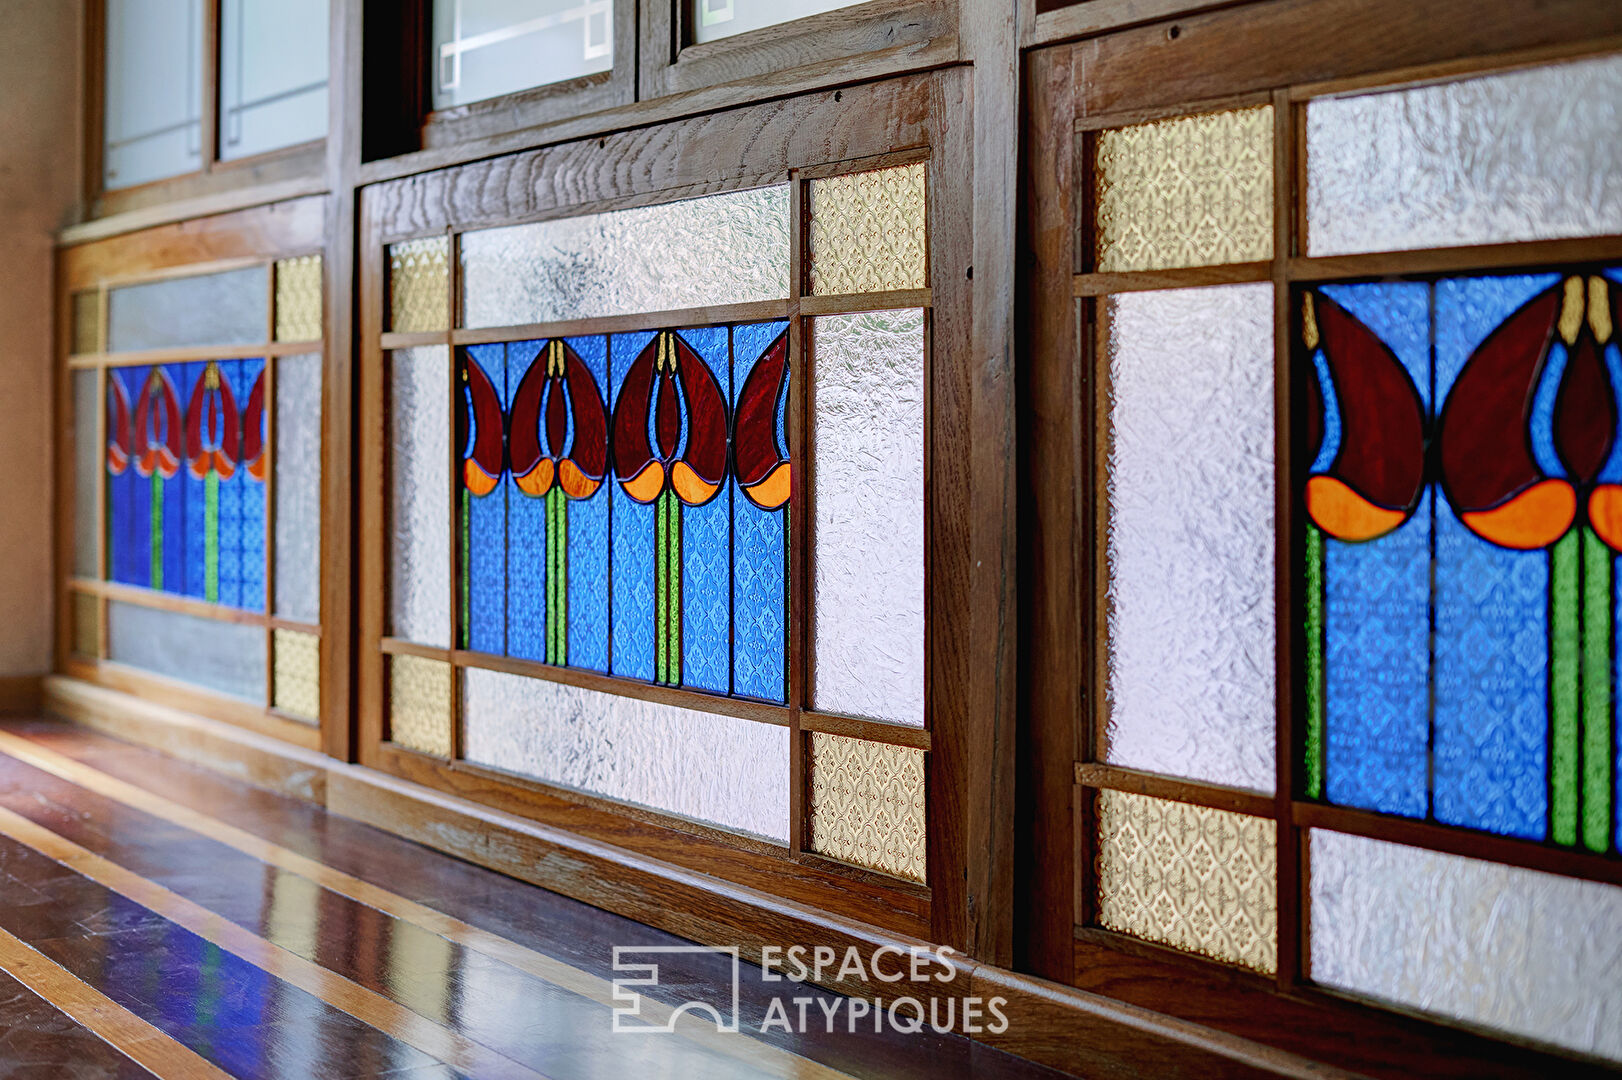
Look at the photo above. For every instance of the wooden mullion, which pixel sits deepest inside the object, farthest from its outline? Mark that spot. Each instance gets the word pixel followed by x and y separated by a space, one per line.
pixel 296 625
pixel 1516 255
pixel 1094 774
pixel 393 646
pixel 1130 117
pixel 453 285
pixel 187 354
pixel 94 52
pixel 209 115
pixel 710 315
pixel 1096 284
pixel 798 623
pixel 1545 857
pixel 1292 920
pixel 859 302
pixel 140 596
pixel 852 727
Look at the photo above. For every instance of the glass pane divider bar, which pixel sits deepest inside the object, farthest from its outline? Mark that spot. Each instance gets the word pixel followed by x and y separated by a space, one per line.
pixel 796 621
pixel 1104 284
pixel 1522 254
pixel 1129 117
pixel 851 303
pixel 185 605
pixel 453 287
pixel 855 727
pixel 1468 843
pixel 193 353
pixel 679 318
pixel 1097 774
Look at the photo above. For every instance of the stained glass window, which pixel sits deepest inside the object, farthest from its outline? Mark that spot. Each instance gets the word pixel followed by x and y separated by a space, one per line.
pixel 186 468
pixel 665 561
pixel 1464 510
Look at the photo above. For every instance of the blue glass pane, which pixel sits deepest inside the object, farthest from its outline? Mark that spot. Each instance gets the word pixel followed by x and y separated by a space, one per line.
pixel 632 526
pixel 706 554
pixel 589 543
pixel 760 556
pixel 526 533
pixel 486 549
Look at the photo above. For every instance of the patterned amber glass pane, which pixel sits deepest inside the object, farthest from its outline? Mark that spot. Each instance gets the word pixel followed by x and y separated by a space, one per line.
pixel 1191 877
pixel 868 232
pixel 419 285
pixel 1529 953
pixel 867 804
pixel 1520 155
pixel 1194 191
pixel 86 624
pixel 1190 534
pixel 296 675
pixel 420 704
pixel 86 322
pixel 298 299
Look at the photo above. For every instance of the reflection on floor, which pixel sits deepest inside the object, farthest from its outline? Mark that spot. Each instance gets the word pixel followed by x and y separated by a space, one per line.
pixel 157 919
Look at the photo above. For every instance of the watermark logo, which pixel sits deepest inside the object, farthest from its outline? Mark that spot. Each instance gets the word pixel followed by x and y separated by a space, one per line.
pixel 911 1002
pixel 629 1017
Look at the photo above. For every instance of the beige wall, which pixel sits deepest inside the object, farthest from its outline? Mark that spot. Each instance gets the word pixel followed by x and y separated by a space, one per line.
pixel 39 165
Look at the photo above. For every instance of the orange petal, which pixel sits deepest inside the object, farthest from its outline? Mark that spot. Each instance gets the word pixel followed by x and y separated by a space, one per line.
pixel 223 465
pixel 692 488
pixel 1346 515
pixel 575 484
pixel 1605 513
pixel 538 481
pixel 199 467
pixel 646 485
pixel 773 491
pixel 1535 518
pixel 256 468
pixel 478 481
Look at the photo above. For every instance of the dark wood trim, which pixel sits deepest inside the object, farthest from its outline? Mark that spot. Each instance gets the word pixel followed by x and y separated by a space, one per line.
pixel 1094 774
pixel 711 315
pixel 20 693
pixel 1526 255
pixel 239 182
pixel 1057 20
pixel 852 727
pixel 1184 278
pixel 829 48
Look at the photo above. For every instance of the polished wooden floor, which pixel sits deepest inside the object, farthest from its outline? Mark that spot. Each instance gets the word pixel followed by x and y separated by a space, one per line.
pixel 157 919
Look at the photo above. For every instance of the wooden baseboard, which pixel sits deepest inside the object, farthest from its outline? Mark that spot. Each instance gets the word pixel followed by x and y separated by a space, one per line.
pixel 1052 1024
pixel 20 693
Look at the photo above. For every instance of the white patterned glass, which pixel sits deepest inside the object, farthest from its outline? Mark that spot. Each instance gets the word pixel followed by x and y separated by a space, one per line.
pixel 487 48
pixel 87 465
pixel 273 74
pixel 730 248
pixel 224 657
pixel 229 308
pixel 154 98
pixel 715 19
pixel 711 768
pixel 1526 952
pixel 420 491
pixel 1190 534
pixel 1522 155
pixel 298 487
pixel 867 487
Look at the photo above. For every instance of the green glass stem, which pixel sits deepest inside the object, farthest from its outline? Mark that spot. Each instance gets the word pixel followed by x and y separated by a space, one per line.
pixel 1315 662
pixel 1565 651
pixel 155 579
pixel 1598 621
pixel 211 537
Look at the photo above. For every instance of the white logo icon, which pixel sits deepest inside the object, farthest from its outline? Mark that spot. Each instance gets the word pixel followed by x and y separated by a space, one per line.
pixel 629 1015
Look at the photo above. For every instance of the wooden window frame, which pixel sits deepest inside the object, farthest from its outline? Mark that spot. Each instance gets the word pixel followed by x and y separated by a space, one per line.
pixel 782 142
pixel 862 41
pixel 258 237
pixel 1137 75
pixel 291 170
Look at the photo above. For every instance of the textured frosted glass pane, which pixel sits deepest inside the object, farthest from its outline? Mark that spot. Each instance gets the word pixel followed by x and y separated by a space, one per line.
pixel 1190 505
pixel 420 704
pixel 1525 155
pixel 712 19
pixel 869 231
pixel 867 437
pixel 1526 952
pixel 721 249
pixel 86 322
pixel 209 309
pixel 273 74
pixel 296 675
pixel 86 624
pixel 298 299
pixel 419 284
pixel 1190 877
pixel 419 472
pixel 716 769
pixel 154 90
pixel 486 48
pixel 298 487
pixel 87 458
pixel 867 804
pixel 1194 191
pixel 224 657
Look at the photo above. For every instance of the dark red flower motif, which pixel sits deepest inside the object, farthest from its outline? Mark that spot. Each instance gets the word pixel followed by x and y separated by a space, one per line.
pixel 558 430
pixel 213 426
pixel 118 426
pixel 670 425
pixel 483 450
pixel 1518 480
pixel 759 457
pixel 253 430
pixel 158 443
pixel 1372 482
